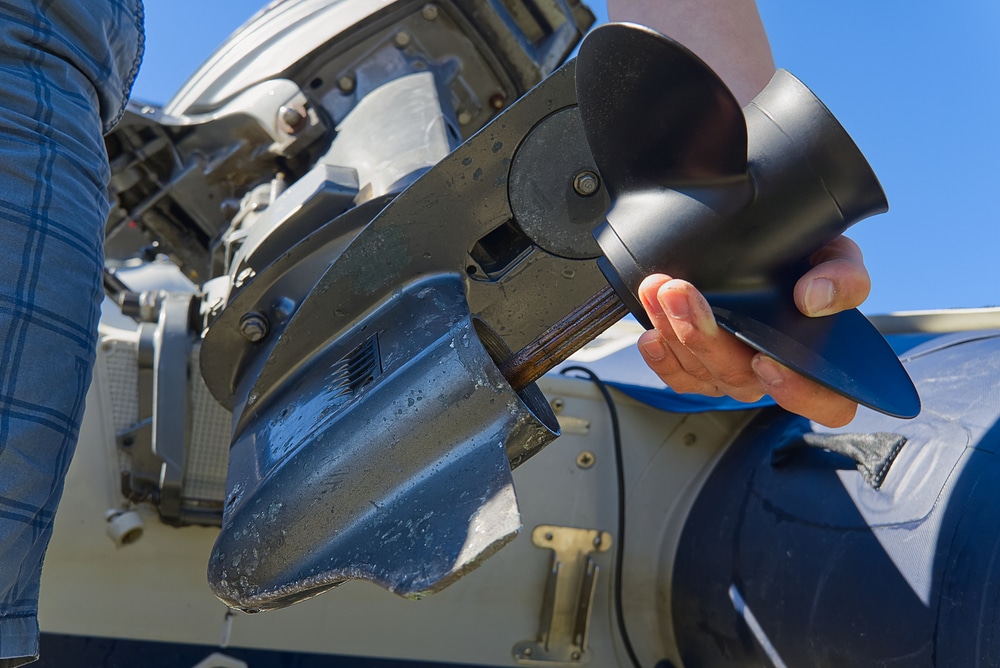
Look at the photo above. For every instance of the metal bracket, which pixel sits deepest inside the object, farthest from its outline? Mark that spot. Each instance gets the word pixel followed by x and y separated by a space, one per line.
pixel 569 596
pixel 158 440
pixel 139 483
pixel 171 412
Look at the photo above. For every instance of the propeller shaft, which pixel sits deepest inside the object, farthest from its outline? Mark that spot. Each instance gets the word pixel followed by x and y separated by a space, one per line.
pixel 566 336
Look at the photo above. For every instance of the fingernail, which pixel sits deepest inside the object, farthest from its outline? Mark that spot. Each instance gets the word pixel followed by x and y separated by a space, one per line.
pixel 647 295
pixel 819 295
pixel 676 303
pixel 767 370
pixel 653 348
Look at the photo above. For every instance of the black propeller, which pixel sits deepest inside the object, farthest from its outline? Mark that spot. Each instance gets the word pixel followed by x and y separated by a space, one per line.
pixel 734 201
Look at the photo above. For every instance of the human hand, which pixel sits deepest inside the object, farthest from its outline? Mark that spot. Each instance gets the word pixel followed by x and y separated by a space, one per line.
pixel 690 352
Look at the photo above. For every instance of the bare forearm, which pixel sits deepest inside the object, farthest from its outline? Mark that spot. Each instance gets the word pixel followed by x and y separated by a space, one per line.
pixel 726 34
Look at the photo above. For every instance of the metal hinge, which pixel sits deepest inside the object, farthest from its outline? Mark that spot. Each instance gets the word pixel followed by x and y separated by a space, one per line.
pixel 569 597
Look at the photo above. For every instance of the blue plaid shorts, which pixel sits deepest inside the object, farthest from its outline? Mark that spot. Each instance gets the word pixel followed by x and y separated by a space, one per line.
pixel 66 70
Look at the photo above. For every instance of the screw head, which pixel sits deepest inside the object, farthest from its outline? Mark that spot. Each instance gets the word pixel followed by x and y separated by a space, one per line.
pixel 402 39
pixel 346 84
pixel 586 183
pixel 253 326
pixel 585 459
pixel 430 12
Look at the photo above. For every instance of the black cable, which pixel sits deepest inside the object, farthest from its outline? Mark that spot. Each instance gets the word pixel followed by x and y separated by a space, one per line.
pixel 620 472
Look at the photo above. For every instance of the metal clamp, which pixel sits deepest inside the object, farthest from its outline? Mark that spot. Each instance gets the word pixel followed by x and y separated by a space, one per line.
pixel 569 597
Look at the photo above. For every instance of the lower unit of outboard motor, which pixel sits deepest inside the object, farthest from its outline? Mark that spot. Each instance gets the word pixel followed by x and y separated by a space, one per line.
pixel 377 421
pixel 871 545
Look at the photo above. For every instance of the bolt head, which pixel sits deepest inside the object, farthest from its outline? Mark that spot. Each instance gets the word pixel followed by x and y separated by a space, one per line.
pixel 253 327
pixel 291 118
pixel 402 39
pixel 430 12
pixel 586 183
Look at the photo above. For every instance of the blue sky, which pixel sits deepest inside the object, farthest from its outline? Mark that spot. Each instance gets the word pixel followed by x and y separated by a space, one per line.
pixel 917 84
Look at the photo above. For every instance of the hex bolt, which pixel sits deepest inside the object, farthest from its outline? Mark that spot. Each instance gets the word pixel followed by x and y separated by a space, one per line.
pixel 291 118
pixel 429 12
pixel 586 183
pixel 253 326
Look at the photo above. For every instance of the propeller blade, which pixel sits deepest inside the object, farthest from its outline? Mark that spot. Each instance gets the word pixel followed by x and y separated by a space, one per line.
pixel 842 352
pixel 655 114
pixel 732 200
